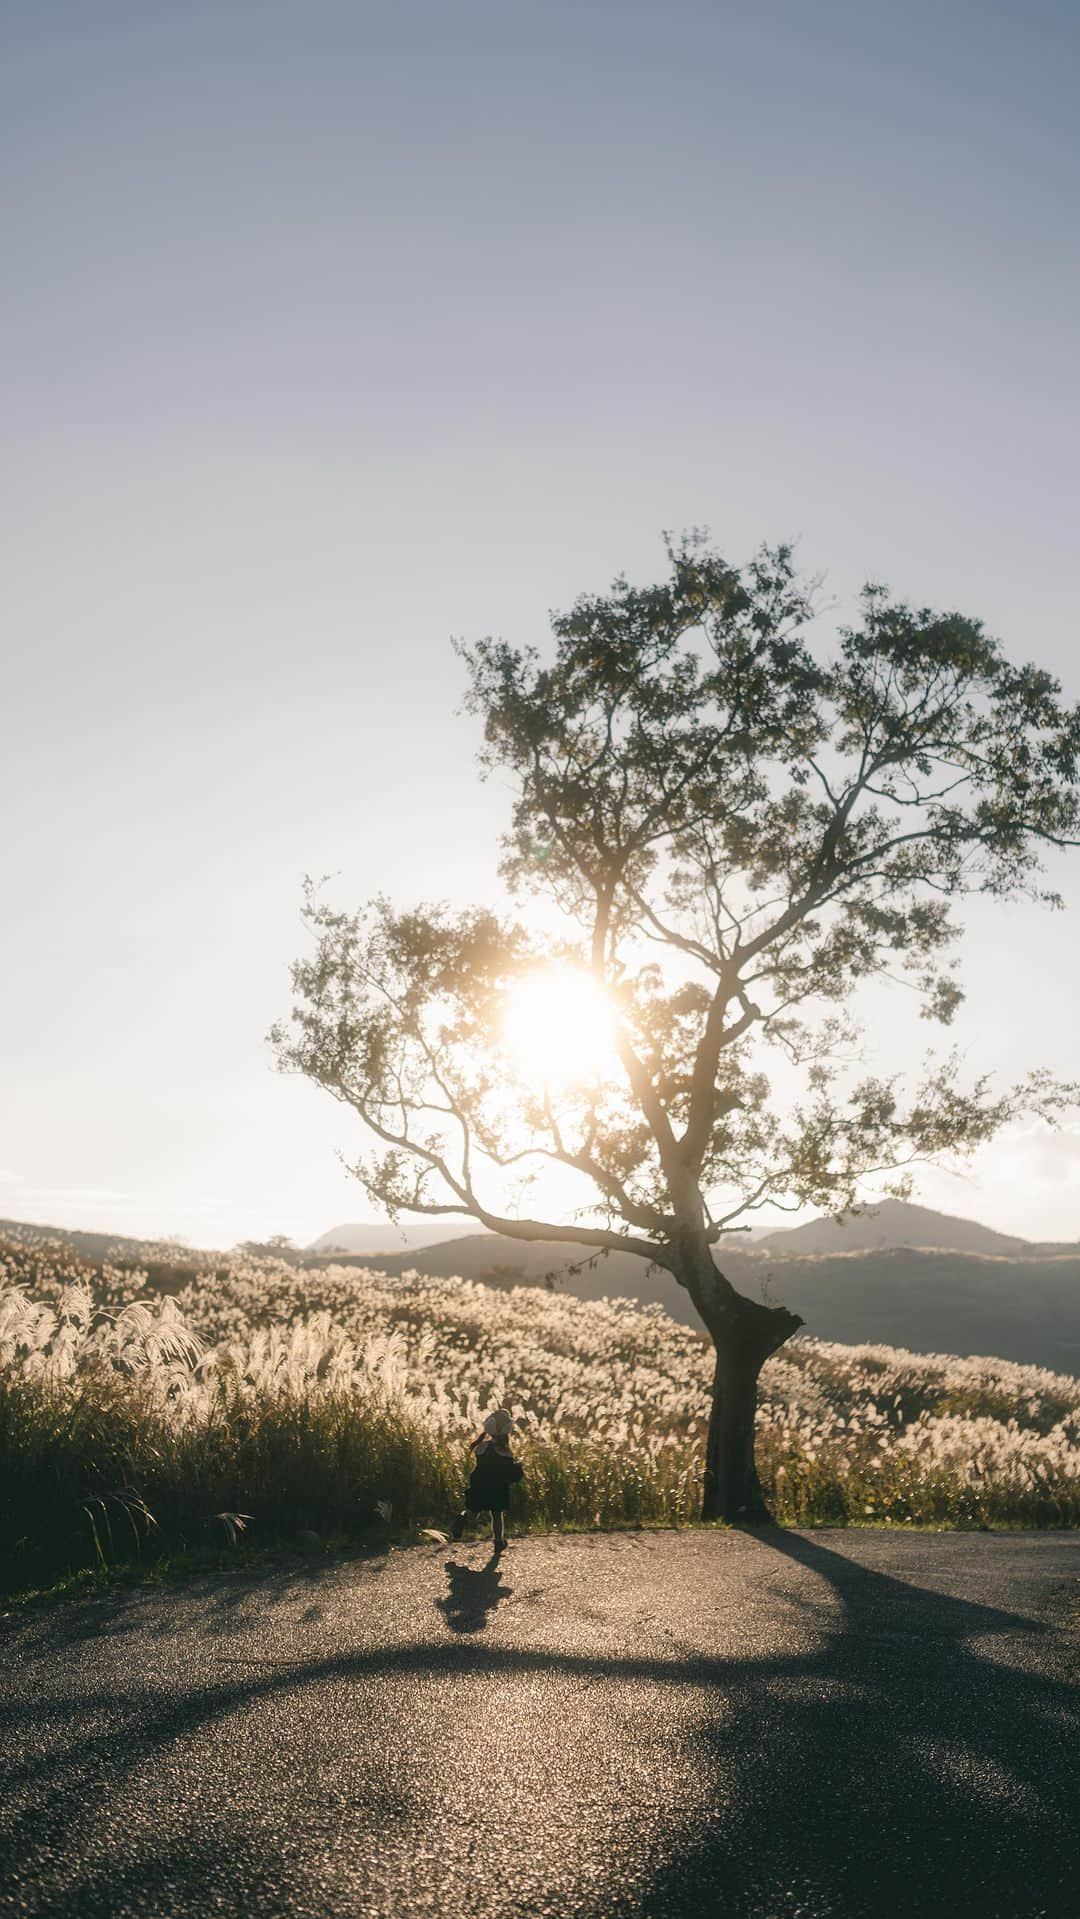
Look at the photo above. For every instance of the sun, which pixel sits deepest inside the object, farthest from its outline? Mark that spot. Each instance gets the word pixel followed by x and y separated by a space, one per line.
pixel 559 1028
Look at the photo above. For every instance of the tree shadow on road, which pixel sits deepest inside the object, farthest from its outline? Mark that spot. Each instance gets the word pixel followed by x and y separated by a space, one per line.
pixel 472 1595
pixel 902 1752
pixel 910 1765
pixel 232 1600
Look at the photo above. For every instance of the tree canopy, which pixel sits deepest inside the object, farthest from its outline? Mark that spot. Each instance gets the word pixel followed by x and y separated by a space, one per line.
pixel 728 829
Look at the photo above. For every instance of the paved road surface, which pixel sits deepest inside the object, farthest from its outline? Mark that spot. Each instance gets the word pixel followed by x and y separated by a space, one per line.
pixel 777 1726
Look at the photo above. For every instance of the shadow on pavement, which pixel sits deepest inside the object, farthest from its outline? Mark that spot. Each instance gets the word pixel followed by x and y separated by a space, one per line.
pixel 473 1595
pixel 232 1600
pixel 903 1762
pixel 914 1771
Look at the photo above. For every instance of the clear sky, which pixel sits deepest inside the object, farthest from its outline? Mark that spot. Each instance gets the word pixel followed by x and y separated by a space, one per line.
pixel 331 330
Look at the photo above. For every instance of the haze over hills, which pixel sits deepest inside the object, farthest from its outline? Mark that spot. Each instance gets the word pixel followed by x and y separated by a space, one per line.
pixel 121 1249
pixel 118 1249
pixel 362 1237
pixel 892 1222
pixel 963 1289
pixel 929 1282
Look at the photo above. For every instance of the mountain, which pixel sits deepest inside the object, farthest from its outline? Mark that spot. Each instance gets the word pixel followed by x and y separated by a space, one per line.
pixel 118 1249
pixel 893 1222
pixel 1025 1308
pixel 497 1261
pixel 1022 1305
pixel 384 1238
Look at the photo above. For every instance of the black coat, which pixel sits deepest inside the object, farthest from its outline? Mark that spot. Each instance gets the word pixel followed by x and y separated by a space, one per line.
pixel 490 1482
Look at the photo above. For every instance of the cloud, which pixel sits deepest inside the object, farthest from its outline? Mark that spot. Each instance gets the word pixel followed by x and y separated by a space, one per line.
pixel 78 1195
pixel 1026 1181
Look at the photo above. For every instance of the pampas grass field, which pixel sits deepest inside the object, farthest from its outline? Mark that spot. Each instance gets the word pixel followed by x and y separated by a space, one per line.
pixel 277 1404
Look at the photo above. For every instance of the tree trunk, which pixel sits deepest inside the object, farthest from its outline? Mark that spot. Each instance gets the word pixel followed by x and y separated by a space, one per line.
pixel 744 1338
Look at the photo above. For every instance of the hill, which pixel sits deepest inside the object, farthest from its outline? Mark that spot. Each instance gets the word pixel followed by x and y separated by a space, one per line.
pixel 891 1223
pixel 363 1237
pixel 170 1264
pixel 353 1395
pixel 116 1248
pixel 924 1299
pixel 1022 1306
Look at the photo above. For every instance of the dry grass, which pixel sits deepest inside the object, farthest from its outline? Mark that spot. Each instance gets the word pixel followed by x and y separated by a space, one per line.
pixel 320 1402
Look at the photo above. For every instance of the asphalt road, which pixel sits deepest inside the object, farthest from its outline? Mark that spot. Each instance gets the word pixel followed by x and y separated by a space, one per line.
pixel 762 1725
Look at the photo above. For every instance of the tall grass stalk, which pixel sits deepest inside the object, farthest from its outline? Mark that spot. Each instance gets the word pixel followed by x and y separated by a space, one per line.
pixel 321 1402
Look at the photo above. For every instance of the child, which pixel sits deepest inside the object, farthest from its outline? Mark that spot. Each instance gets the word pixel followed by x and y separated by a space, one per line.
pixel 496 1470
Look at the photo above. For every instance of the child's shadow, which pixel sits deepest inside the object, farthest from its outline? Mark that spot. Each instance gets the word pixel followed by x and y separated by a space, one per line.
pixel 472 1596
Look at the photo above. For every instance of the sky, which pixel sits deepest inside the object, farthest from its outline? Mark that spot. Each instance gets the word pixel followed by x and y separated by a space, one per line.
pixel 333 330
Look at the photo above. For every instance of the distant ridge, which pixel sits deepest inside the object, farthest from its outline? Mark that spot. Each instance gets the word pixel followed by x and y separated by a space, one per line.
pixel 360 1237
pixel 890 1223
pixel 116 1248
pixel 121 1249
pixel 1022 1305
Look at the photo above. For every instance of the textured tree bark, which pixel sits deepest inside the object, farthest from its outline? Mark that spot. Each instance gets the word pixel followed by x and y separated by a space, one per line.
pixel 744 1339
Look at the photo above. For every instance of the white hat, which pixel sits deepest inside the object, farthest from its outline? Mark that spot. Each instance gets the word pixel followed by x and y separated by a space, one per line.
pixel 499 1424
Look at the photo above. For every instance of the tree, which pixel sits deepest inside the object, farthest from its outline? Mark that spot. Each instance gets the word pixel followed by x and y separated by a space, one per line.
pixel 278 1246
pixel 735 833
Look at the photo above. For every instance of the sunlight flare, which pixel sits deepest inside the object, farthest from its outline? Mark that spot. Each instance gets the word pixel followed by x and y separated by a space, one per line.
pixel 559 1028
